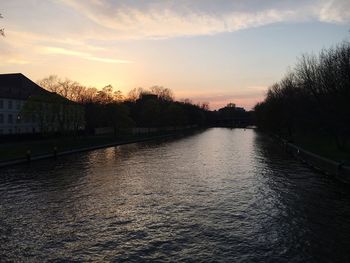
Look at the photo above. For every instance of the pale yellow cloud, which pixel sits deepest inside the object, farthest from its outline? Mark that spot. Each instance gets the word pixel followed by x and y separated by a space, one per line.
pixel 15 46
pixel 63 51
pixel 83 55
pixel 109 60
pixel 17 61
pixel 9 57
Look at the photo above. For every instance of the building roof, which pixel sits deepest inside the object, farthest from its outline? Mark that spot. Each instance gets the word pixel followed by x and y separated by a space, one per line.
pixel 17 86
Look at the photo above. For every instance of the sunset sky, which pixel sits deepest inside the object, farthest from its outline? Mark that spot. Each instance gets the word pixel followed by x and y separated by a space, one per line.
pixel 218 51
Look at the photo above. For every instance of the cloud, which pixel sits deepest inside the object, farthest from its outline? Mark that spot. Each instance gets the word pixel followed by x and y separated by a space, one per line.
pixel 96 24
pixel 14 49
pixel 83 55
pixel 11 52
pixel 335 12
pixel 162 19
pixel 109 60
pixel 63 51
pixel 9 57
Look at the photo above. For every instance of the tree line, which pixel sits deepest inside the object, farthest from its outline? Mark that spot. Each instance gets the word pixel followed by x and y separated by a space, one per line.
pixel 313 98
pixel 152 107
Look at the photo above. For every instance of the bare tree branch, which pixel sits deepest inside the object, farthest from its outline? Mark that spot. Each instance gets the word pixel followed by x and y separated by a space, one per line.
pixel 2 30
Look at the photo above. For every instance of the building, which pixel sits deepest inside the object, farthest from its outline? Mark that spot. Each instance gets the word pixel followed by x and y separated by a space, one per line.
pixel 17 92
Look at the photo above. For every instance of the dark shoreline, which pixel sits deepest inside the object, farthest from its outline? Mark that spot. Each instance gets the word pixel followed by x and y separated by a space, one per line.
pixel 320 163
pixel 91 148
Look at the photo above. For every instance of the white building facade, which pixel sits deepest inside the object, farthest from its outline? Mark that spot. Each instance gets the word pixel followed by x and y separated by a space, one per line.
pixel 11 121
pixel 26 108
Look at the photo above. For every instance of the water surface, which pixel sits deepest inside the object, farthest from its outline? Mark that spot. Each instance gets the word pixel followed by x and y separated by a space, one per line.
pixel 221 195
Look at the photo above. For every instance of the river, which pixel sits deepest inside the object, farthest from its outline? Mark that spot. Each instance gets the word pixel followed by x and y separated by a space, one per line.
pixel 219 195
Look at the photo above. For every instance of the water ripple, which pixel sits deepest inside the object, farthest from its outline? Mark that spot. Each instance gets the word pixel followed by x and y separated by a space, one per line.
pixel 217 196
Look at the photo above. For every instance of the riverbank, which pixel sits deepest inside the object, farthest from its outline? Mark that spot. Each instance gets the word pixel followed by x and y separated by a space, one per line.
pixel 337 168
pixel 323 145
pixel 22 152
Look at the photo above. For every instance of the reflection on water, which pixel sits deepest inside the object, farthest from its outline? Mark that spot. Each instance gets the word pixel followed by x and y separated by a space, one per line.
pixel 219 195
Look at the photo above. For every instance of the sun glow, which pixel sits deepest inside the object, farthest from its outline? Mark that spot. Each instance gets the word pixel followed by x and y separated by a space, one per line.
pixel 206 52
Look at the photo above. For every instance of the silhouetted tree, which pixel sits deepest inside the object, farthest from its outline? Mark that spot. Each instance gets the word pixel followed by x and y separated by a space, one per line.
pixel 313 98
pixel 134 94
pixel 67 88
pixel 2 30
pixel 117 115
pixel 175 115
pixel 153 107
pixel 204 106
pixel 53 113
pixel 163 94
pixel 150 110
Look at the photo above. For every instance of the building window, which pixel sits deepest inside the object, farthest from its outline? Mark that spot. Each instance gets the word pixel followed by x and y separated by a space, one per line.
pixel 9 118
pixel 18 104
pixel 1 118
pixel 10 104
pixel 1 104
